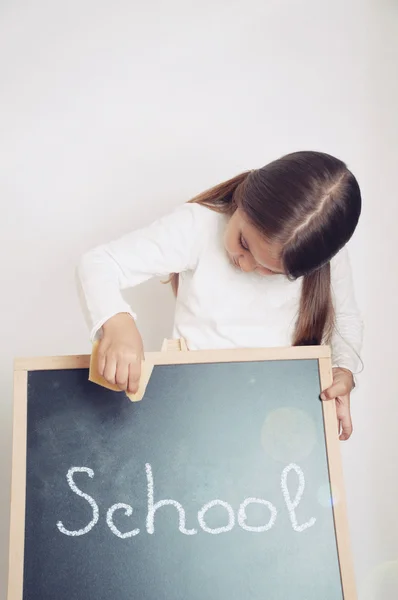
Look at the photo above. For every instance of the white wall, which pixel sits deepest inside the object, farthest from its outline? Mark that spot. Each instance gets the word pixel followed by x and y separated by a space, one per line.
pixel 114 111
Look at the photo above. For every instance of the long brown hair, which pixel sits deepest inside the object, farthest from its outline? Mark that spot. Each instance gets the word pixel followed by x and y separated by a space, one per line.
pixel 309 203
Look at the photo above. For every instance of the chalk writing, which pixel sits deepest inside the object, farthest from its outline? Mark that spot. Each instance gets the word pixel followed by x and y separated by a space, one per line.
pixel 153 507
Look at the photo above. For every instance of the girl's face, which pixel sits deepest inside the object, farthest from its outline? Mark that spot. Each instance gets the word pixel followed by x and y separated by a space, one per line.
pixel 248 250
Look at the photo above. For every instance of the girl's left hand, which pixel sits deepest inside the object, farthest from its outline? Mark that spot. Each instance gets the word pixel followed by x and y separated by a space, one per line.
pixel 340 390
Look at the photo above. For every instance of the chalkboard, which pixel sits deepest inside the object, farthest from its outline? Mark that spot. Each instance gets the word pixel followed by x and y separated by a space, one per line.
pixel 223 483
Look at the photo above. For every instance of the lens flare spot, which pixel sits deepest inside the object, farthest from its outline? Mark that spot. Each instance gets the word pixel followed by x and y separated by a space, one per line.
pixel 288 434
pixel 325 498
pixel 382 582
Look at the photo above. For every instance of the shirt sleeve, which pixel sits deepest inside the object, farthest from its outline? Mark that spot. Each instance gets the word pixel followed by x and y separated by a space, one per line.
pixel 348 332
pixel 169 245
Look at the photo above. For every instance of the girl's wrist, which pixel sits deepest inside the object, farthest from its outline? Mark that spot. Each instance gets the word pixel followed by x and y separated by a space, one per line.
pixel 117 320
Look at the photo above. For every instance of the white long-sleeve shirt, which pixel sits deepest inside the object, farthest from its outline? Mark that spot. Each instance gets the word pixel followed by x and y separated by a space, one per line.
pixel 218 306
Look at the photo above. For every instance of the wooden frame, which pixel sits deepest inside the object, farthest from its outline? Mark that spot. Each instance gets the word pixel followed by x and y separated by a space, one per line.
pixel 173 352
pixel 337 484
pixel 177 357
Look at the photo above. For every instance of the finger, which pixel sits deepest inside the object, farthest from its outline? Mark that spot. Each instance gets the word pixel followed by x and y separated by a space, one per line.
pixel 101 358
pixel 346 427
pixel 338 388
pixel 122 375
pixel 110 369
pixel 134 377
pixel 101 362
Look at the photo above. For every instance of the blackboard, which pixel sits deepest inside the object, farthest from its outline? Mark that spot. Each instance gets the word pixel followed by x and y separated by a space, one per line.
pixel 217 485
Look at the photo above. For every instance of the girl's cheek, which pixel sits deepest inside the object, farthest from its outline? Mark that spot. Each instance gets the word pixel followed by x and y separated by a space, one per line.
pixel 228 243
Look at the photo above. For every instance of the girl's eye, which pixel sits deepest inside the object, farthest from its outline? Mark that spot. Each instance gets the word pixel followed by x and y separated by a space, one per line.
pixel 242 242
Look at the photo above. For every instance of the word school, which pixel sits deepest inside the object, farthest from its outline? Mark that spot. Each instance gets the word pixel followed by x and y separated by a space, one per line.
pixel 153 507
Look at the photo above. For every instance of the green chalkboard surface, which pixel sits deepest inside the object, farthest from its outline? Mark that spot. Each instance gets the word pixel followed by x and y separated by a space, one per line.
pixel 215 486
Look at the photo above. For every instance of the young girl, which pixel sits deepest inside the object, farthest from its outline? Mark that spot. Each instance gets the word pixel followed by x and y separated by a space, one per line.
pixel 257 261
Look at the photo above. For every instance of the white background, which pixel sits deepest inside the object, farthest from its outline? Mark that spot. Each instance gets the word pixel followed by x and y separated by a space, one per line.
pixel 114 111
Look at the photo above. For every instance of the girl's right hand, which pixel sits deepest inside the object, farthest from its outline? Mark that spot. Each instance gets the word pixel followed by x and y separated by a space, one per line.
pixel 120 352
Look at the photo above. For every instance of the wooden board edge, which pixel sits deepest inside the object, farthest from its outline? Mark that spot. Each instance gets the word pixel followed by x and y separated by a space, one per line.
pixel 52 363
pixel 178 357
pixel 18 488
pixel 337 485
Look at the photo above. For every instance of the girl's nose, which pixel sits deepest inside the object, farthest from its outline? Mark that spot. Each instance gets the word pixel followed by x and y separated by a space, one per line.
pixel 246 264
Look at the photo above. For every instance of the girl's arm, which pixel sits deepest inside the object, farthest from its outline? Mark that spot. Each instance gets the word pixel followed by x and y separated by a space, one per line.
pixel 170 245
pixel 348 332
pixel 346 342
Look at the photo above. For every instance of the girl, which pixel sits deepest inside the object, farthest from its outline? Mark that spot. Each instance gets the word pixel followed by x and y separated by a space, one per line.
pixel 257 261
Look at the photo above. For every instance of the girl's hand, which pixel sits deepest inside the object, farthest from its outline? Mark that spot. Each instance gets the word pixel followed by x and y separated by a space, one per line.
pixel 120 352
pixel 340 390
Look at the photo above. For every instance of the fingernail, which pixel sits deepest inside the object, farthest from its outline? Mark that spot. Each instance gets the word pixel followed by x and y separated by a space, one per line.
pixel 323 397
